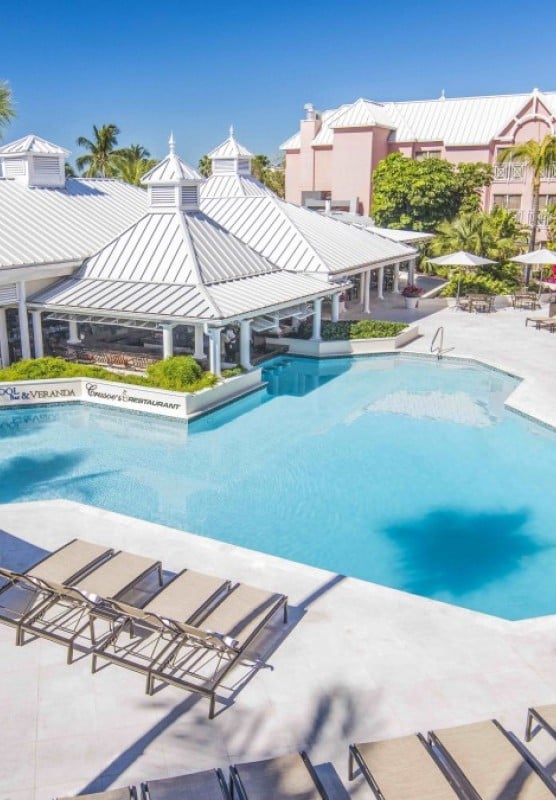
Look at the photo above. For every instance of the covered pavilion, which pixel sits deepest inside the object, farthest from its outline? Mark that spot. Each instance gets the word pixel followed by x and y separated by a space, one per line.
pixel 295 238
pixel 179 266
pixel 50 223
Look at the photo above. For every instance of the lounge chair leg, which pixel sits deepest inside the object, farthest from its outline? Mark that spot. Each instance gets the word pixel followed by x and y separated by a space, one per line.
pixel 212 705
pixel 350 766
pixel 528 726
pixel 285 612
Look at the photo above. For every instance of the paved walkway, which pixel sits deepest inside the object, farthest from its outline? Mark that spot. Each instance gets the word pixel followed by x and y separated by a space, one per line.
pixel 357 661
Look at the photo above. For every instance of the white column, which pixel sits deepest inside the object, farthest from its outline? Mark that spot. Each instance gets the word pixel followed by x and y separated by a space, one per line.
pixel 23 321
pixel 167 341
pixel 362 288
pixel 4 346
pixel 396 289
pixel 199 353
pixel 317 313
pixel 335 307
pixel 366 305
pixel 245 343
pixel 411 272
pixel 380 293
pixel 216 351
pixel 37 334
pixel 73 333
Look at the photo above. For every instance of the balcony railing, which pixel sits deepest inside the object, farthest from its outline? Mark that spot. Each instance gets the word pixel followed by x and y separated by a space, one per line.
pixel 549 174
pixel 510 173
pixel 525 216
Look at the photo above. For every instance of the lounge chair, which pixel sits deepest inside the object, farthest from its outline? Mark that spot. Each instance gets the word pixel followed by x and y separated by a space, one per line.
pixel 490 765
pixel 544 322
pixel 67 613
pixel 126 793
pixel 185 598
pixel 403 768
pixel 24 592
pixel 290 777
pixel 226 632
pixel 545 716
pixel 207 785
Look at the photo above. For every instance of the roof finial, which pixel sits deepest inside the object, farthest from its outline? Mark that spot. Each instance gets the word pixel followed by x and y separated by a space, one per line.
pixel 231 131
pixel 442 95
pixel 172 143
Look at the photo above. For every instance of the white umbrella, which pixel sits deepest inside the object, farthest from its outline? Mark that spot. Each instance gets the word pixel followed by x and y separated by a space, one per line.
pixel 461 259
pixel 540 258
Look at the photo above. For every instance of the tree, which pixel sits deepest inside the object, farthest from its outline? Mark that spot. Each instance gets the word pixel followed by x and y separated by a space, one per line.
pixel 538 157
pixel 69 170
pixel 129 167
pixel 420 194
pixel 205 166
pixel 497 235
pixel 259 165
pixel 270 173
pixel 7 112
pixel 100 158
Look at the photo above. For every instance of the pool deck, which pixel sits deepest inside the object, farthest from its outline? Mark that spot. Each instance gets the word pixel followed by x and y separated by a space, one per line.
pixel 357 661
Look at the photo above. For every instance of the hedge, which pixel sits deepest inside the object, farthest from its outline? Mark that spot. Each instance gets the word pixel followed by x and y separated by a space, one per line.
pixel 354 329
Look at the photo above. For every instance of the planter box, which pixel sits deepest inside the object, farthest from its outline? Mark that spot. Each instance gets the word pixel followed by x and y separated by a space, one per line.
pixel 348 347
pixel 179 405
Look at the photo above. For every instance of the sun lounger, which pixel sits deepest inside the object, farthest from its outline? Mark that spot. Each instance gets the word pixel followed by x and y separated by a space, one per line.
pixel 23 593
pixel 290 777
pixel 207 785
pixel 489 765
pixel 227 630
pixel 188 595
pixel 403 768
pixel 127 793
pixel 545 717
pixel 66 614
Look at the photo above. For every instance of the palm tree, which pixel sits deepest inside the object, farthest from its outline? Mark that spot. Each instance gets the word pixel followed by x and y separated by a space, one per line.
pixel 497 235
pixel 7 112
pixel 135 151
pixel 99 160
pixel 205 166
pixel 259 165
pixel 539 157
pixel 130 168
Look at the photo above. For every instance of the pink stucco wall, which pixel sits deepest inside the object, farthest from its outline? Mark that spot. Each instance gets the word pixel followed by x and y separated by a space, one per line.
pixel 293 186
pixel 352 166
pixel 323 168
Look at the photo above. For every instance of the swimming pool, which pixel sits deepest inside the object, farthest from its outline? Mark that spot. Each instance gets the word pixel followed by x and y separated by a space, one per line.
pixel 403 471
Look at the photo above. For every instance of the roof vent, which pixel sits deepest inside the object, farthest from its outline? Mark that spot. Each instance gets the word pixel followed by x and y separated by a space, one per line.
pixel 309 111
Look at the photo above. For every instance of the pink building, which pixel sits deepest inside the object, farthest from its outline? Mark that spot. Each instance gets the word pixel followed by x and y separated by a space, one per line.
pixel 333 155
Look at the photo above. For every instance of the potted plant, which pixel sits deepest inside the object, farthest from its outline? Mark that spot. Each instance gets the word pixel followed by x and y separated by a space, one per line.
pixel 411 295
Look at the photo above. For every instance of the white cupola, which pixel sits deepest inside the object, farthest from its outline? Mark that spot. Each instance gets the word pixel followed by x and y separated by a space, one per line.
pixel 172 183
pixel 231 157
pixel 34 162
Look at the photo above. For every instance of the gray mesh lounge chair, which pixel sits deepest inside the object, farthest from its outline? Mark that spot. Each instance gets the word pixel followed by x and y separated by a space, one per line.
pixel 22 593
pixel 403 768
pixel 290 777
pixel 126 793
pixel 207 785
pixel 66 615
pixel 207 651
pixel 489 765
pixel 148 631
pixel 545 717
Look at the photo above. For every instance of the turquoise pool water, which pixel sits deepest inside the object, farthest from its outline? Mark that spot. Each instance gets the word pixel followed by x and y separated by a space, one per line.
pixel 402 471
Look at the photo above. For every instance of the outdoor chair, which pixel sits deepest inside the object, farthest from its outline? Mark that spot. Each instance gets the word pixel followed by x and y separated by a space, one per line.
pixel 398 769
pixel 205 653
pixel 23 593
pixel 544 322
pixel 489 764
pixel 290 777
pixel 126 793
pixel 146 632
pixel 544 717
pixel 207 785
pixel 65 616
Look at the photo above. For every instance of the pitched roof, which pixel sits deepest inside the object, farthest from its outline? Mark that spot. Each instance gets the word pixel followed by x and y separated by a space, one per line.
pixel 33 144
pixel 233 185
pixel 231 148
pixel 43 226
pixel 454 121
pixel 170 170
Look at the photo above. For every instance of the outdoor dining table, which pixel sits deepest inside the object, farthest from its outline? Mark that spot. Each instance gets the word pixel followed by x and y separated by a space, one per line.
pixel 526 300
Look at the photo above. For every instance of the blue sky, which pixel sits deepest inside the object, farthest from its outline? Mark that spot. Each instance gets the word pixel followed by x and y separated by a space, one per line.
pixel 197 67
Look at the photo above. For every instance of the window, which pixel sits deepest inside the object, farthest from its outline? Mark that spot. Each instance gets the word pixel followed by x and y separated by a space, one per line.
pixel 511 202
pixel 546 200
pixel 420 155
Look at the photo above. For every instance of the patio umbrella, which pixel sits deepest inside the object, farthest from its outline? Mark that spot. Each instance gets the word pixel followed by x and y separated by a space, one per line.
pixel 539 258
pixel 462 260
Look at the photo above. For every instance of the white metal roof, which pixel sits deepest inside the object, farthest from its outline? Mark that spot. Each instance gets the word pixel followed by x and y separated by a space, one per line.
pixel 233 185
pixel 43 226
pixel 395 235
pixel 32 144
pixel 231 148
pixel 454 121
pixel 170 170
pixel 301 240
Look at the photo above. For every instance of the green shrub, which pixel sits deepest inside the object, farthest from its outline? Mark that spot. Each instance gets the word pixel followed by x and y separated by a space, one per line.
pixel 474 283
pixel 233 371
pixel 352 329
pixel 179 373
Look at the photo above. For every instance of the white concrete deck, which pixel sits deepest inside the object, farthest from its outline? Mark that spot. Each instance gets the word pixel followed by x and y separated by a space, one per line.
pixel 357 661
